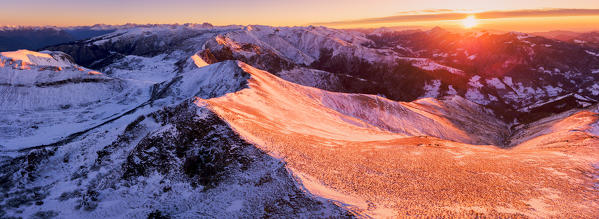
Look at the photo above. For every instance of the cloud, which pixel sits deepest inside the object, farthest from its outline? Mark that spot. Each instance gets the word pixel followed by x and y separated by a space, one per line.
pixel 426 11
pixel 444 14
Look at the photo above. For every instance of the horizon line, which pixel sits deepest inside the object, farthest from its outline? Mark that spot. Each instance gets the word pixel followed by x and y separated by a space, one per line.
pixel 447 14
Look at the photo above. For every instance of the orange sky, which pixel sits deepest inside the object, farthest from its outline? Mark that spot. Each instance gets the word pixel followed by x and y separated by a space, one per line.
pixel 522 24
pixel 289 12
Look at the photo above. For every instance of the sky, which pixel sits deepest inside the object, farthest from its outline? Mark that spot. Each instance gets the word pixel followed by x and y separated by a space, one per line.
pixel 334 13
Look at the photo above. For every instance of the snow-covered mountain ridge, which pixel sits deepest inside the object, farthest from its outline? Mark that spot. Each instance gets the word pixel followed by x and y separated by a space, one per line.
pixel 312 130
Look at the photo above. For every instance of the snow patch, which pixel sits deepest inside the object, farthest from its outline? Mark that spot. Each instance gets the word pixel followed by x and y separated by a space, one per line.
pixel 474 82
pixel 451 90
pixel 553 91
pixel 594 89
pixel 429 65
pixel 495 82
pixel 432 89
pixel 476 96
pixel 592 53
pixel 508 81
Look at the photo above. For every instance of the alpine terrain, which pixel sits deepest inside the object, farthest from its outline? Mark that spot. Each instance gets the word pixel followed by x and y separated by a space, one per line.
pixel 203 121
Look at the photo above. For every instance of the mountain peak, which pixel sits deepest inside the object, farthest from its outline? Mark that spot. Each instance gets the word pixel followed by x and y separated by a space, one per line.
pixel 437 29
pixel 24 58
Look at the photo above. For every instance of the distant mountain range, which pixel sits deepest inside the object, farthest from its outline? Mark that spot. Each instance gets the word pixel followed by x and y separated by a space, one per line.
pixel 35 38
pixel 586 39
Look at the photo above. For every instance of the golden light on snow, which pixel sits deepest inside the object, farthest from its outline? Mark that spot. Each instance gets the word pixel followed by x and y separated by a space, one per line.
pixel 198 61
pixel 470 21
pixel 338 148
pixel 25 55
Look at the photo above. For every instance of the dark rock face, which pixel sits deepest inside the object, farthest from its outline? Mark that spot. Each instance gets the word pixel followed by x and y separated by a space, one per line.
pixel 19 173
pixel 264 59
pixel 200 148
pixel 91 56
pixel 21 170
pixel 559 105
pixel 399 81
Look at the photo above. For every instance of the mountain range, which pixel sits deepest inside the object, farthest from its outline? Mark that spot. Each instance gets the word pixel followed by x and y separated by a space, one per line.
pixel 256 121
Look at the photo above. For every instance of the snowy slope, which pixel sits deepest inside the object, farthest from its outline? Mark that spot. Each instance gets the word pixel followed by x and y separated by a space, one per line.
pixel 343 147
pixel 350 113
pixel 151 69
pixel 302 45
pixel 549 131
pixel 209 81
pixel 134 170
pixel 167 157
pixel 45 97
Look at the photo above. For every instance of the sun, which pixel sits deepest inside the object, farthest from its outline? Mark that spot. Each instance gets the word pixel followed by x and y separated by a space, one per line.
pixel 470 21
